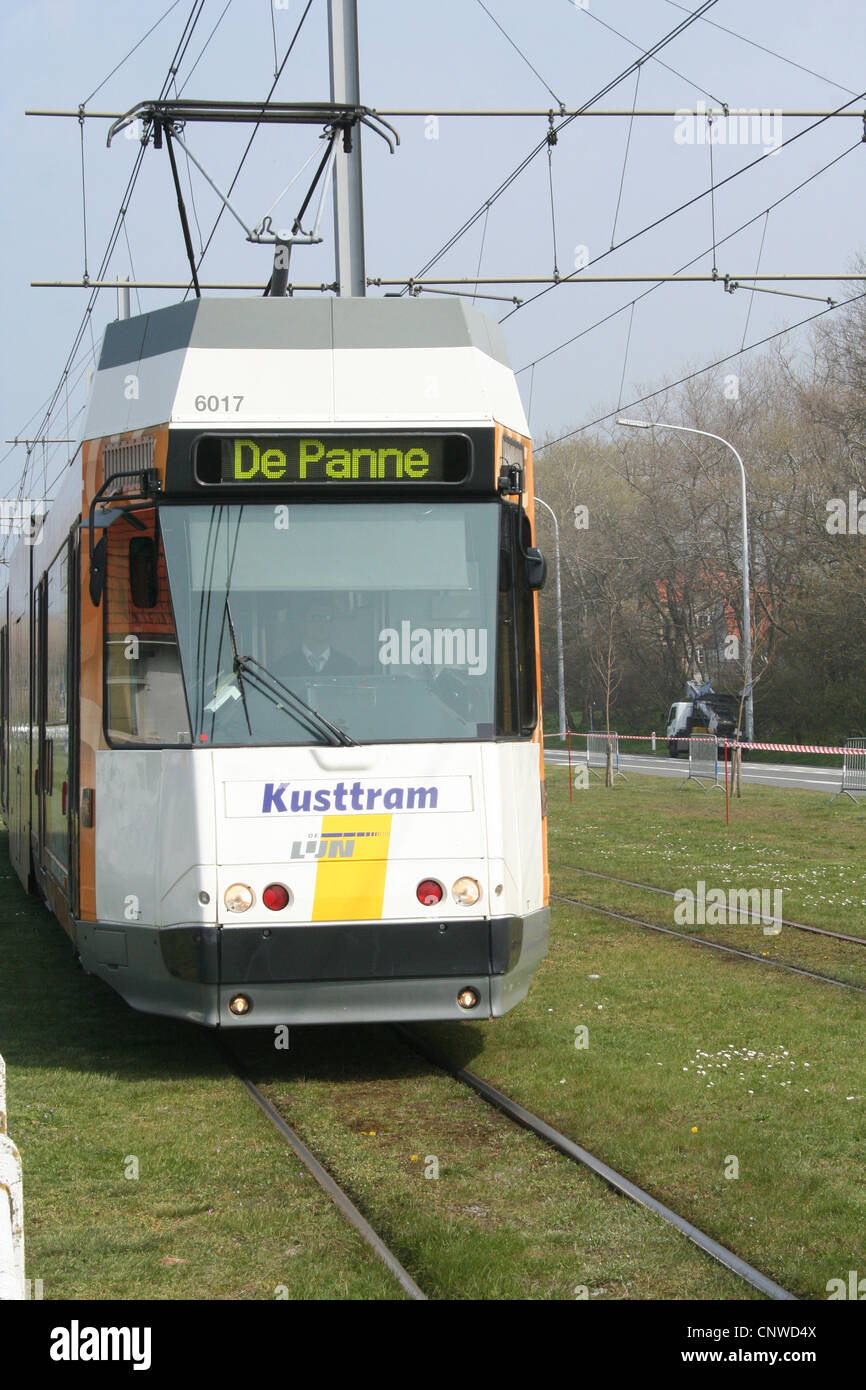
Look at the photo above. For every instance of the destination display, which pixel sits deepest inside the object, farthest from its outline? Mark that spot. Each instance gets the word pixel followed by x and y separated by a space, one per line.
pixel 325 458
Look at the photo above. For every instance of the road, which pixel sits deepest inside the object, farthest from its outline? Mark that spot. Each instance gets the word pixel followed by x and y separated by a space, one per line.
pixel 824 779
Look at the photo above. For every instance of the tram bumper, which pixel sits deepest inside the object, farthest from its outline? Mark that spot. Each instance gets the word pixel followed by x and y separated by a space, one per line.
pixel 351 972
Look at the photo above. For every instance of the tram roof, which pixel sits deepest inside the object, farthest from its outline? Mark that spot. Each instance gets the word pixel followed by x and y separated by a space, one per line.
pixel 302 325
pixel 295 362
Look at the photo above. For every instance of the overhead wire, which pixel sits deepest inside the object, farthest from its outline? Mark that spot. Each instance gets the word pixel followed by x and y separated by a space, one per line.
pixel 757 268
pixel 134 49
pixel 550 145
pixel 131 268
pixel 625 160
pixel 480 254
pixel 204 49
pixel 691 376
pixel 690 202
pixel 180 50
pixel 712 191
pixel 270 4
pixel 590 14
pixel 772 52
pixel 625 355
pixel 255 129
pixel 83 195
pixel 520 52
pixel 687 264
pixel 542 144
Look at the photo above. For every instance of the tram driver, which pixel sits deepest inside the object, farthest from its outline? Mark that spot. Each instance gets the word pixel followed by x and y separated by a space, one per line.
pixel 316 656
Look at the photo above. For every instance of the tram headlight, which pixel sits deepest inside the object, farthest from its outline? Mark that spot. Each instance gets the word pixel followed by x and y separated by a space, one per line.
pixel 239 897
pixel 468 998
pixel 466 891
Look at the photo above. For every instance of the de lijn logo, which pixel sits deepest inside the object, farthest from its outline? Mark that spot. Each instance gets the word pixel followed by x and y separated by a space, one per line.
pixel 332 844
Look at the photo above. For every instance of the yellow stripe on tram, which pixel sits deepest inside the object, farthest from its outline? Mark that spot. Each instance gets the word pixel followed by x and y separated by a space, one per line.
pixel 350 879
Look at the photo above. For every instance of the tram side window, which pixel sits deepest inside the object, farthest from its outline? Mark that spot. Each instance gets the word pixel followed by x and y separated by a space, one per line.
pixel 516 691
pixel 145 703
pixel 506 643
pixel 527 684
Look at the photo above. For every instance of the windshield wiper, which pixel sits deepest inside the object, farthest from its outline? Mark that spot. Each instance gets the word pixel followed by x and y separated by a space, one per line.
pixel 235 659
pixel 269 685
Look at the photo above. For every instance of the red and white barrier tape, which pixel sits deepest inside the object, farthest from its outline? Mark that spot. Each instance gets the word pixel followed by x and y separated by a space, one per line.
pixel 733 743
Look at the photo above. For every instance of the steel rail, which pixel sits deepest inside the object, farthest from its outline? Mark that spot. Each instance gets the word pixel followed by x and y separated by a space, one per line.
pixel 616 1180
pixel 334 1191
pixel 714 945
pixel 668 893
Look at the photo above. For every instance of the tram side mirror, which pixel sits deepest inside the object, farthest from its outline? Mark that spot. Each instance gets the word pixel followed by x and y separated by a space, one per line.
pixel 97 571
pixel 536 567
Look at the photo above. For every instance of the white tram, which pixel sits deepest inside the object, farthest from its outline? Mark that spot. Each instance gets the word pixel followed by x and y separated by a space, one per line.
pixel 271 742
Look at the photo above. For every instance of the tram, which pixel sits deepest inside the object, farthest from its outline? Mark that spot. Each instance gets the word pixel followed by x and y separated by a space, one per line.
pixel 269 677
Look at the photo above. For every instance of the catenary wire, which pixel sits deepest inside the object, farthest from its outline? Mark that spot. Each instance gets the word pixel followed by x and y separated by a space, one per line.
pixel 682 207
pixel 687 264
pixel 130 53
pixel 772 52
pixel 204 49
pixel 237 174
pixel 697 86
pixel 624 160
pixel 690 376
pixel 186 35
pixel 521 54
pixel 542 144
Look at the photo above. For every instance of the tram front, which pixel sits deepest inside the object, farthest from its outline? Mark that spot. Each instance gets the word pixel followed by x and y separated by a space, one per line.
pixel 322 730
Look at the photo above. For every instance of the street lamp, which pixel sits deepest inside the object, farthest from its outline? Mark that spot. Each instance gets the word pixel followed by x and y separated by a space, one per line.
pixel 560 659
pixel 747 612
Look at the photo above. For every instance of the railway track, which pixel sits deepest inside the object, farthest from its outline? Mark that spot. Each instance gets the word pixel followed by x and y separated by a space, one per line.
pixel 527 1120
pixel 668 893
pixel 703 941
pixel 340 1198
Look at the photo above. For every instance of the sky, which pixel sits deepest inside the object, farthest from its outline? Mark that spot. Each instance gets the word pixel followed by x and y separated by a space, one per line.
pixel 607 178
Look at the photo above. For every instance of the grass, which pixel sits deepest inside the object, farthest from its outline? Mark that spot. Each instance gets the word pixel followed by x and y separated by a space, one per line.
pixel 475 1207
pixel 694 1060
pixel 218 1210
pixel 670 835
pixel 693 1057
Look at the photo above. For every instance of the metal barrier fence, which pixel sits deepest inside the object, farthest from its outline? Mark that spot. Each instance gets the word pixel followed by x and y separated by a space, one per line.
pixel 597 746
pixel 853 771
pixel 703 763
pixel 12 1285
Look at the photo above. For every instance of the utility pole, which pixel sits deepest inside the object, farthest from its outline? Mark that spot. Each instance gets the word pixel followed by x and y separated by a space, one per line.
pixel 348 187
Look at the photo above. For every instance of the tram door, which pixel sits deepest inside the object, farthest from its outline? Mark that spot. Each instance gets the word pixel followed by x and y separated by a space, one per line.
pixel 52 640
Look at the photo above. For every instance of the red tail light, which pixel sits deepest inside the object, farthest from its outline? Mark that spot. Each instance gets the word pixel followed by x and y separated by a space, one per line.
pixel 429 892
pixel 276 897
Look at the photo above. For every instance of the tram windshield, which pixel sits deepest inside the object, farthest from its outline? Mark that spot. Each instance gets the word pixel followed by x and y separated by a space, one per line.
pixel 322 623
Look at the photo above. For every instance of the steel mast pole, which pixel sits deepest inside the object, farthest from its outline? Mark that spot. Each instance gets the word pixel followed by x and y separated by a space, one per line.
pixel 348 186
pixel 560 658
